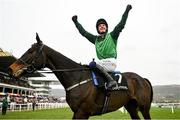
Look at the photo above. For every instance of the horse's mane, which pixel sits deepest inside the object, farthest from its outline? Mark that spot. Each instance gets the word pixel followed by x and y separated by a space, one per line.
pixel 62 58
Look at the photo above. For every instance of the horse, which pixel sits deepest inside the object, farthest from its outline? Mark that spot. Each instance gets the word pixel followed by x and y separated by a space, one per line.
pixel 83 97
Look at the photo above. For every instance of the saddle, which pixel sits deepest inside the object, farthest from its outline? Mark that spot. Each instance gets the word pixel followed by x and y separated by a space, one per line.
pixel 102 79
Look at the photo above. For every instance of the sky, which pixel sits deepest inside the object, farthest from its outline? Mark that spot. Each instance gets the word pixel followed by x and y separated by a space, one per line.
pixel 149 45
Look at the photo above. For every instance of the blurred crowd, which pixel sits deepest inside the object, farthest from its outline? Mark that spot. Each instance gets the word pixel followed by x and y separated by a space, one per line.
pixel 25 99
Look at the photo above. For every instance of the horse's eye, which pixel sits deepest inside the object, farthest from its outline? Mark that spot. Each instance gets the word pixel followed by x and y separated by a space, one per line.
pixel 30 51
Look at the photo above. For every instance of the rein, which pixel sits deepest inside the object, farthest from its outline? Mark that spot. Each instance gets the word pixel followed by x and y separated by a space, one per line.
pixel 64 70
pixel 39 52
pixel 31 68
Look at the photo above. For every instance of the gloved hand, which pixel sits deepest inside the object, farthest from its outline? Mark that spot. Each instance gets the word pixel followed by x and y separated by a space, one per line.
pixel 74 18
pixel 129 7
pixel 92 64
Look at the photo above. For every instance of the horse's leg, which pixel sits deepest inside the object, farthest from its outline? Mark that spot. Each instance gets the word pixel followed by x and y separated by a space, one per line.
pixel 133 113
pixel 131 107
pixel 145 112
pixel 80 115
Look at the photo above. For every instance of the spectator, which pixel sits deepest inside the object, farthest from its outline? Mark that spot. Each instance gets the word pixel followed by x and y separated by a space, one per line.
pixel 4 106
pixel 33 104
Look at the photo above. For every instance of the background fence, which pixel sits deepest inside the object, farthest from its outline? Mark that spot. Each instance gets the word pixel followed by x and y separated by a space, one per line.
pixel 29 106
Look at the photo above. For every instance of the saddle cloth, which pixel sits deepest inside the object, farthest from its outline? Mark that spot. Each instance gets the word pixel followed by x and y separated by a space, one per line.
pixel 99 81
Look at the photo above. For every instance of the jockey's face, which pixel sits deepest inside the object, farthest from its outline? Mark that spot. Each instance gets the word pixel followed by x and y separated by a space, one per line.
pixel 102 28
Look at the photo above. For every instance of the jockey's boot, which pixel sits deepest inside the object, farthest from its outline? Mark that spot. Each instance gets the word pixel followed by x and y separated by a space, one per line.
pixel 111 83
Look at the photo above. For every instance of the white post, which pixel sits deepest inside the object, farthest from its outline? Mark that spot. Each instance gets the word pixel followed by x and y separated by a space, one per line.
pixel 28 106
pixel 40 106
pixel 45 105
pixel 172 109
pixel 12 106
pixel 20 107
pixel 123 110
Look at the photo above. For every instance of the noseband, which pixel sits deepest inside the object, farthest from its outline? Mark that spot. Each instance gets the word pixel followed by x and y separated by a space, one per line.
pixel 31 67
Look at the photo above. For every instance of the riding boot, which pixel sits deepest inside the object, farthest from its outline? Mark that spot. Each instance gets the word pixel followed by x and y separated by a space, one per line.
pixel 111 83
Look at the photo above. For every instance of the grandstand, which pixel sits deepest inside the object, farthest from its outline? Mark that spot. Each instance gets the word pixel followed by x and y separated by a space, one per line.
pixel 42 85
pixel 22 87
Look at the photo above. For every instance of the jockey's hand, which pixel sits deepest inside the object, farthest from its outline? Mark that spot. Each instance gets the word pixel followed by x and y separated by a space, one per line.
pixel 129 7
pixel 74 18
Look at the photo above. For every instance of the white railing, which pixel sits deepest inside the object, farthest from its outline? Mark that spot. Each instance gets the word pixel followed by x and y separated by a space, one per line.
pixel 172 106
pixel 28 106
pixel 166 105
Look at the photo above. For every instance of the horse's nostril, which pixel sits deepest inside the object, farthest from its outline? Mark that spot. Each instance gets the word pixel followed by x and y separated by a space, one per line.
pixel 30 69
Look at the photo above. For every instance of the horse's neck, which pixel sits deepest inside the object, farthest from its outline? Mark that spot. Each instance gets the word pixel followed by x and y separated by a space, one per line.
pixel 57 61
pixel 60 61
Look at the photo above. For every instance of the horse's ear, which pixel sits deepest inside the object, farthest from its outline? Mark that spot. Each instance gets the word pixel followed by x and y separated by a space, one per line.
pixel 38 39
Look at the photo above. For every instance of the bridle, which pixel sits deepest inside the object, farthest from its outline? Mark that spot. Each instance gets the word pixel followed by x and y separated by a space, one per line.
pixel 31 67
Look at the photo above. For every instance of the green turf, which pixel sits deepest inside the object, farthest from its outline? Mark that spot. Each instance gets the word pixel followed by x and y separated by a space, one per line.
pixel 65 113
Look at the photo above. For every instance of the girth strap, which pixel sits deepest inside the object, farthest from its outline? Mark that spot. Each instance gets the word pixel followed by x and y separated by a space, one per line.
pixel 106 102
pixel 80 83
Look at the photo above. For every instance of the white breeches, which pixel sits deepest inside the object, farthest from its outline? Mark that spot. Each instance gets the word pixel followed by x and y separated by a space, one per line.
pixel 108 64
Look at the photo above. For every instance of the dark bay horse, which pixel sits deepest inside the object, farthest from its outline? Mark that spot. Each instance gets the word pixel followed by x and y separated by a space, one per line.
pixel 83 97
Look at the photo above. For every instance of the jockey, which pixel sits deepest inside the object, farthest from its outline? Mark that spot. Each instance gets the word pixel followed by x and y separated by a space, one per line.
pixel 105 44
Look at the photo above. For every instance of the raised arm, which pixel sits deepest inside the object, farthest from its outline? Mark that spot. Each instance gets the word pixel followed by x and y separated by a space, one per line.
pixel 115 33
pixel 82 31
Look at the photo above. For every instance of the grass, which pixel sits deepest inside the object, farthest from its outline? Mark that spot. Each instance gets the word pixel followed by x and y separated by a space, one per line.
pixel 66 113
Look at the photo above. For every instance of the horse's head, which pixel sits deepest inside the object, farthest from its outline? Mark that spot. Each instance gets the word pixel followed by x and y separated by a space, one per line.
pixel 33 59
